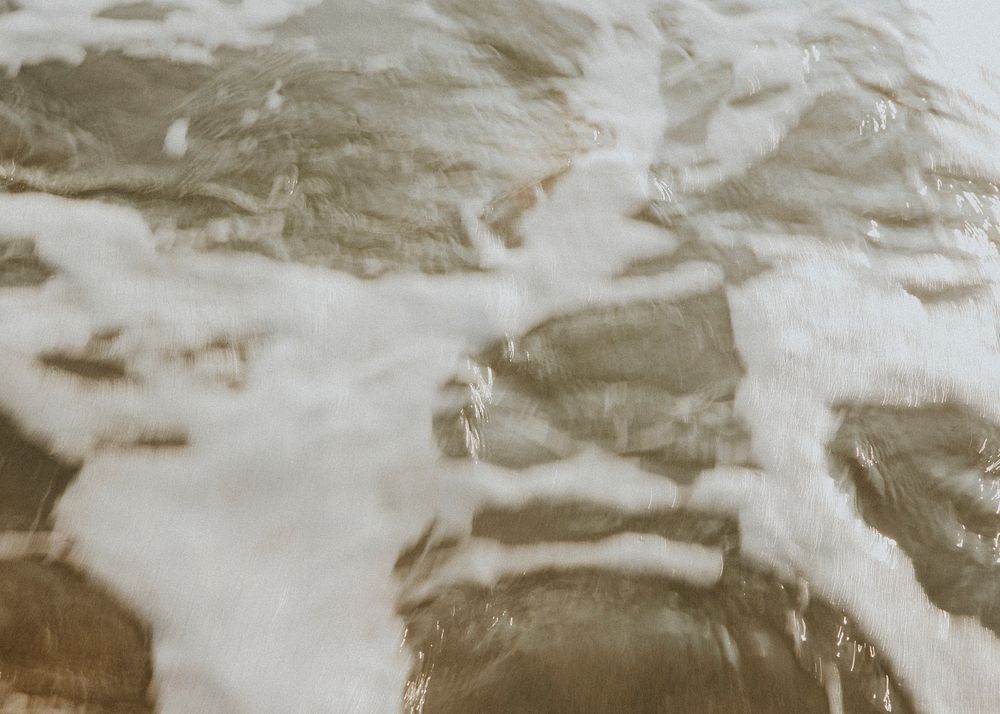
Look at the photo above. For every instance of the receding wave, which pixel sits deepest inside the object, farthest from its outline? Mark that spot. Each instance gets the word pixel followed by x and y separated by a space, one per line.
pixel 523 357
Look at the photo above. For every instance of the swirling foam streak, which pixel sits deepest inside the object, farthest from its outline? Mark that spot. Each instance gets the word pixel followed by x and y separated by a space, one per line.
pixel 262 551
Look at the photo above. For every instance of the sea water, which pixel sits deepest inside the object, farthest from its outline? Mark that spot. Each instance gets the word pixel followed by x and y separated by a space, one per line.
pixel 634 257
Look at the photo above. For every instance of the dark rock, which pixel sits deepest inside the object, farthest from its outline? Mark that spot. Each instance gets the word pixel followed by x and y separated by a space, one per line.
pixel 20 264
pixel 928 478
pixel 681 345
pixel 586 641
pixel 543 521
pixel 31 479
pixel 62 636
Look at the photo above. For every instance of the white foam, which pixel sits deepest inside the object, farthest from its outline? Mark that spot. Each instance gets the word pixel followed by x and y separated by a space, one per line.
pixel 484 562
pixel 175 143
pixel 583 477
pixel 190 31
pixel 963 51
pixel 262 552
pixel 830 324
pixel 821 331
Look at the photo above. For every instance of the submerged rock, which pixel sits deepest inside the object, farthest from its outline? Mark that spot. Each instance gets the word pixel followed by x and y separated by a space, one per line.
pixel 542 521
pixel 590 641
pixel 652 379
pixel 681 345
pixel 31 480
pixel 928 478
pixel 20 264
pixel 63 638
pixel 65 643
pixel 324 169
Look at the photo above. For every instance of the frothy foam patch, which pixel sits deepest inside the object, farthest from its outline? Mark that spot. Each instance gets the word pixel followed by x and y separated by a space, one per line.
pixel 963 53
pixel 806 334
pixel 326 451
pixel 262 549
pixel 187 30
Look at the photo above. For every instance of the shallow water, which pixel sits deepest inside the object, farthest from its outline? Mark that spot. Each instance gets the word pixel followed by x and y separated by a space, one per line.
pixel 528 357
